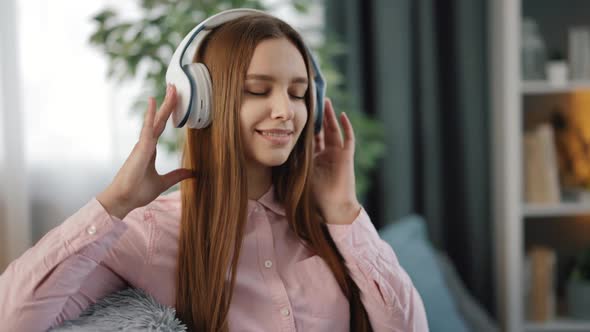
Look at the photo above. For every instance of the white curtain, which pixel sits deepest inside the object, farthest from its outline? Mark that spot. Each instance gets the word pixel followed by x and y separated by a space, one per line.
pixel 15 226
pixel 65 128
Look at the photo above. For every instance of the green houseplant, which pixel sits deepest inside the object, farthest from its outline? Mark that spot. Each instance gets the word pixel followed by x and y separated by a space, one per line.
pixel 148 42
pixel 578 287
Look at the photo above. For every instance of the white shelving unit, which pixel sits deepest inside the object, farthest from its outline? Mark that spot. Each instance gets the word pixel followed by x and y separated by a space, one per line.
pixel 543 87
pixel 556 210
pixel 510 212
pixel 558 325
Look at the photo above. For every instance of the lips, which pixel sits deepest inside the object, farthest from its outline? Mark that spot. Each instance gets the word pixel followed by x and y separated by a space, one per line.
pixel 276 132
pixel 276 136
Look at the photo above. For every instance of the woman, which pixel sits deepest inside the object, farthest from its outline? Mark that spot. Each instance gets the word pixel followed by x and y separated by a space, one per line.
pixel 266 233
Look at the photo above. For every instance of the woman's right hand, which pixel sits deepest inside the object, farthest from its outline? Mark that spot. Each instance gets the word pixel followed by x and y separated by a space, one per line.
pixel 138 183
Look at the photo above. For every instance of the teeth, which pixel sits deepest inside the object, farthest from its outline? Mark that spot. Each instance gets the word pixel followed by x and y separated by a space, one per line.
pixel 273 134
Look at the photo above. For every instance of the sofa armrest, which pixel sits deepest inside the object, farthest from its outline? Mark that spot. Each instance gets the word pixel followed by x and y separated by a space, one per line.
pixel 471 311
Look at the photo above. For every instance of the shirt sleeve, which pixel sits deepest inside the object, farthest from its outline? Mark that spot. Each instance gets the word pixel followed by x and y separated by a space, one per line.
pixel 387 292
pixel 67 270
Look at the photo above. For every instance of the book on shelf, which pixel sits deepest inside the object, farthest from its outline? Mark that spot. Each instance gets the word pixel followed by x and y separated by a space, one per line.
pixel 541 295
pixel 541 172
pixel 579 52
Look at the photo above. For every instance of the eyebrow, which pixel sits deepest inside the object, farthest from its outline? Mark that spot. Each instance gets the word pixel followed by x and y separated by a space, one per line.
pixel 263 77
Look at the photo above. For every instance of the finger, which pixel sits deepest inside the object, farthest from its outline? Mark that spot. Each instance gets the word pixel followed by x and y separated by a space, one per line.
pixel 142 154
pixel 176 176
pixel 148 122
pixel 319 141
pixel 348 131
pixel 332 135
pixel 166 109
pixel 153 157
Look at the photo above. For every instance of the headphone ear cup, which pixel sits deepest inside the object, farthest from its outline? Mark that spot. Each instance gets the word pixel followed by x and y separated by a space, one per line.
pixel 200 116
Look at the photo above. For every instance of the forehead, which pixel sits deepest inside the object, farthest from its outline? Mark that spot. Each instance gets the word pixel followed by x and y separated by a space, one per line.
pixel 277 57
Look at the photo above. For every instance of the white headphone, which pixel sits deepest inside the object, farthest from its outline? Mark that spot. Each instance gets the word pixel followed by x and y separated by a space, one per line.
pixel 193 83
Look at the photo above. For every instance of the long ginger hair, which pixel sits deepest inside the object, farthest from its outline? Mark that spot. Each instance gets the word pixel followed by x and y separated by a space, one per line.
pixel 214 203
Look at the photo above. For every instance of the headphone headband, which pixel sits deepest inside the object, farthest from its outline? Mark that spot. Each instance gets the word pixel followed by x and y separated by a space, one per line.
pixel 188 80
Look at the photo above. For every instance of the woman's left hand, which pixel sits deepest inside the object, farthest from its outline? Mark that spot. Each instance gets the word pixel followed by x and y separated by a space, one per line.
pixel 333 181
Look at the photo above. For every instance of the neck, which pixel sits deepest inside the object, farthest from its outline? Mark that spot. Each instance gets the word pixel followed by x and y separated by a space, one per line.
pixel 259 181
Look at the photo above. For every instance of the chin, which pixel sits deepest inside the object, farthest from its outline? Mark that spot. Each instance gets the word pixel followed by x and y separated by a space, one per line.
pixel 272 162
pixel 272 159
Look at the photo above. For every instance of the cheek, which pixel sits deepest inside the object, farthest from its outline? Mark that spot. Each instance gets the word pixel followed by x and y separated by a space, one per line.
pixel 248 116
pixel 243 127
pixel 247 119
pixel 301 117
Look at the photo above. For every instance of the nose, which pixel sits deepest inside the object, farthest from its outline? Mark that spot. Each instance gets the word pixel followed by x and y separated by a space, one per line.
pixel 281 107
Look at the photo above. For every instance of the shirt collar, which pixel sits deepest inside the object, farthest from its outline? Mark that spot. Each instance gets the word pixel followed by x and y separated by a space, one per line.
pixel 269 201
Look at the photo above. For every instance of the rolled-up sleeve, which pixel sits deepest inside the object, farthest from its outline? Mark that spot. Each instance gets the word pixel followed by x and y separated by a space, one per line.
pixel 49 283
pixel 388 294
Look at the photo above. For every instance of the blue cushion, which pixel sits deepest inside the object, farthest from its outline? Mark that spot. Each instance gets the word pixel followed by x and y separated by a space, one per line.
pixel 409 240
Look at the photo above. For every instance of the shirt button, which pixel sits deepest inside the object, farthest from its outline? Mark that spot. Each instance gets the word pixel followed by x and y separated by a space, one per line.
pixel 285 312
pixel 91 230
pixel 268 264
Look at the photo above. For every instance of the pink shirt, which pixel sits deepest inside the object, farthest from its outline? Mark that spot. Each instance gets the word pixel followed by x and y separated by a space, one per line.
pixel 280 285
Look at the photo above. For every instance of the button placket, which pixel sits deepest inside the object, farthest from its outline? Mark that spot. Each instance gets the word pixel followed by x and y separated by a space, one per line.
pixel 91 230
pixel 285 312
pixel 268 259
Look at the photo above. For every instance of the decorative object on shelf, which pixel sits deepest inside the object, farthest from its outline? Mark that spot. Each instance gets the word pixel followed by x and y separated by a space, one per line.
pixel 579 52
pixel 556 69
pixel 533 52
pixel 572 131
pixel 578 287
pixel 541 295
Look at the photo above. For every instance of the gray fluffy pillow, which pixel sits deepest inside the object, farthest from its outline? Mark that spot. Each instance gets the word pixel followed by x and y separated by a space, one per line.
pixel 127 310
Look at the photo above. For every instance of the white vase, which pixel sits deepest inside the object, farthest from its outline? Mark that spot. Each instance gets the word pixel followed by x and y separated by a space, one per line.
pixel 556 72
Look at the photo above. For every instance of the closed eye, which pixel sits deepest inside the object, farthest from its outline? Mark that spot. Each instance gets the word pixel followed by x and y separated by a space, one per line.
pixel 262 94
pixel 257 93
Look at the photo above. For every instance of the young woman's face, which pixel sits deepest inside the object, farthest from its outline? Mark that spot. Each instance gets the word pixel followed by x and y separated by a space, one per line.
pixel 273 111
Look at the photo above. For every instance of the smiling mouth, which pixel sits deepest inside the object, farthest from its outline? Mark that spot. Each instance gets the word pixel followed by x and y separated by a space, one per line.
pixel 275 137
